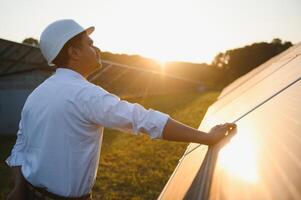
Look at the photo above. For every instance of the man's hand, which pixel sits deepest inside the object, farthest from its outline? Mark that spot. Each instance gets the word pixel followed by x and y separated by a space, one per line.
pixel 177 131
pixel 219 132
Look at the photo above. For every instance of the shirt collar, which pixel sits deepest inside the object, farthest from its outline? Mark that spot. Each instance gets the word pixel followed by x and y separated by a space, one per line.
pixel 69 72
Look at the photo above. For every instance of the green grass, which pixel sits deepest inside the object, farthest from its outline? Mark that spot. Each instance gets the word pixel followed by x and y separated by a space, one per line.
pixel 135 167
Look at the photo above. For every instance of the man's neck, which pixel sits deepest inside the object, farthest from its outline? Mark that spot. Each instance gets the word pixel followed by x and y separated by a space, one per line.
pixel 76 69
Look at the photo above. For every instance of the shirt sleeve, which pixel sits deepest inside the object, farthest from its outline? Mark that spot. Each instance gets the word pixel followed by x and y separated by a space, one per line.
pixel 16 157
pixel 106 109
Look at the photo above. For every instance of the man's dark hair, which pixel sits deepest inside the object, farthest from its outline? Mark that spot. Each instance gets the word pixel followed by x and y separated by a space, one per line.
pixel 63 57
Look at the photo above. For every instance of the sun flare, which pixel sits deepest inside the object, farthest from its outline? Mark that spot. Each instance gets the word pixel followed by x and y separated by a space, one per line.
pixel 238 158
pixel 162 64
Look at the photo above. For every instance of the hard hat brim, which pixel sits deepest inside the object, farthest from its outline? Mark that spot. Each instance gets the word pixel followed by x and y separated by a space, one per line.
pixel 90 30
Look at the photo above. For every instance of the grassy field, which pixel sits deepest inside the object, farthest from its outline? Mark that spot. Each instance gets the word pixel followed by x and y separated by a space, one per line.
pixel 134 167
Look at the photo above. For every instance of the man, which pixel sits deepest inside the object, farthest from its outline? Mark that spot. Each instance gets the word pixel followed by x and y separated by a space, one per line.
pixel 57 150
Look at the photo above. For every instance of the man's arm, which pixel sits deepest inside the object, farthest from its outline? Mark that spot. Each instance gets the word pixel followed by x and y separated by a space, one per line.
pixel 19 190
pixel 177 131
pixel 106 109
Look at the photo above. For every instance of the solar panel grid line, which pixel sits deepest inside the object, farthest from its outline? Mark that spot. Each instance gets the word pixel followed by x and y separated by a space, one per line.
pixel 213 154
pixel 290 155
pixel 11 51
pixel 14 53
pixel 171 177
pixel 190 194
pixel 291 119
pixel 149 88
pixel 17 58
pixel 285 151
pixel 35 57
pixel 148 84
pixel 23 62
pixel 205 175
pixel 256 73
pixel 291 52
pixel 134 67
pixel 6 49
pixel 293 191
pixel 182 178
pixel 129 66
pixel 223 102
pixel 256 94
pixel 277 141
pixel 8 68
pixel 296 49
pixel 116 78
pixel 151 71
pixel 266 73
pixel 206 180
pixel 133 82
pixel 283 143
pixel 2 41
pixel 23 71
pixel 99 73
pixel 276 58
pixel 257 106
pixel 270 181
pixel 107 74
pixel 186 154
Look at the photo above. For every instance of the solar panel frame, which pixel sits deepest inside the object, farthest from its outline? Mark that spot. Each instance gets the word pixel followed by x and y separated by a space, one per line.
pixel 293 54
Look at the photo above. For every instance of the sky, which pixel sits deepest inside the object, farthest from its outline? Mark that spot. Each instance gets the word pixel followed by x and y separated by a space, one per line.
pixel 166 30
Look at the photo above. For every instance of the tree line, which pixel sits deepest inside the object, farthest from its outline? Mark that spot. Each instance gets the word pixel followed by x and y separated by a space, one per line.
pixel 237 62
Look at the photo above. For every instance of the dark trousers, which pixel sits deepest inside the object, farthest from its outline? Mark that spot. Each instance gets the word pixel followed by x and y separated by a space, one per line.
pixel 34 193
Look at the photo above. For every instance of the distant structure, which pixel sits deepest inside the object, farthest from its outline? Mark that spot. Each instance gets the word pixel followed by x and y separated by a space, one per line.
pixel 263 160
pixel 23 68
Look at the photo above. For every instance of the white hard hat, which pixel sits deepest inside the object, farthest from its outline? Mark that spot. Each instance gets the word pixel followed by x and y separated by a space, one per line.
pixel 55 36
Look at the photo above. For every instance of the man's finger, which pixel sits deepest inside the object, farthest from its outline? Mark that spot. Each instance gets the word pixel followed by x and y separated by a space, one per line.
pixel 230 126
pixel 232 130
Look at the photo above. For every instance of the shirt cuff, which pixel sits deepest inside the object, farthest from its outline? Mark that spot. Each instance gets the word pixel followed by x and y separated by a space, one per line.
pixel 14 160
pixel 158 121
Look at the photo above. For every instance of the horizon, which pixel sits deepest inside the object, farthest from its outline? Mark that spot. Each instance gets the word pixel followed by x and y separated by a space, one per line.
pixel 169 61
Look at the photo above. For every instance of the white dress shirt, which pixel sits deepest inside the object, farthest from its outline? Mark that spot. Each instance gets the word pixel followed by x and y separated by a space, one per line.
pixel 61 128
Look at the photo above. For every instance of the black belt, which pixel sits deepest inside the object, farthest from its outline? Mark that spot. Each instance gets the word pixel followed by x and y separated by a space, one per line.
pixel 36 193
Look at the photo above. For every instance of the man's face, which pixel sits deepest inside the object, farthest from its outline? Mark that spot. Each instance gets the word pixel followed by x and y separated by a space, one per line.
pixel 89 55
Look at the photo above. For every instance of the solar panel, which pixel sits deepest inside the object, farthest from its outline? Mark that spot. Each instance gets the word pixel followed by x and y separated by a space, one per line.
pixel 289 53
pixel 16 58
pixel 268 160
pixel 256 90
pixel 121 79
pixel 264 104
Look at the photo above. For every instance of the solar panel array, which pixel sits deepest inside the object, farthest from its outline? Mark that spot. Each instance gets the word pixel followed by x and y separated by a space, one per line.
pixel 263 160
pixel 18 58
pixel 120 79
pixel 127 81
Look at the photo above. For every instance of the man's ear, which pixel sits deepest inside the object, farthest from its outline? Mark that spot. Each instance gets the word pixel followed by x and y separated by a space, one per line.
pixel 74 53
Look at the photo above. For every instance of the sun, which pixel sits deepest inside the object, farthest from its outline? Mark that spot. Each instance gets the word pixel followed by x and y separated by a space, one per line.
pixel 162 63
pixel 239 159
